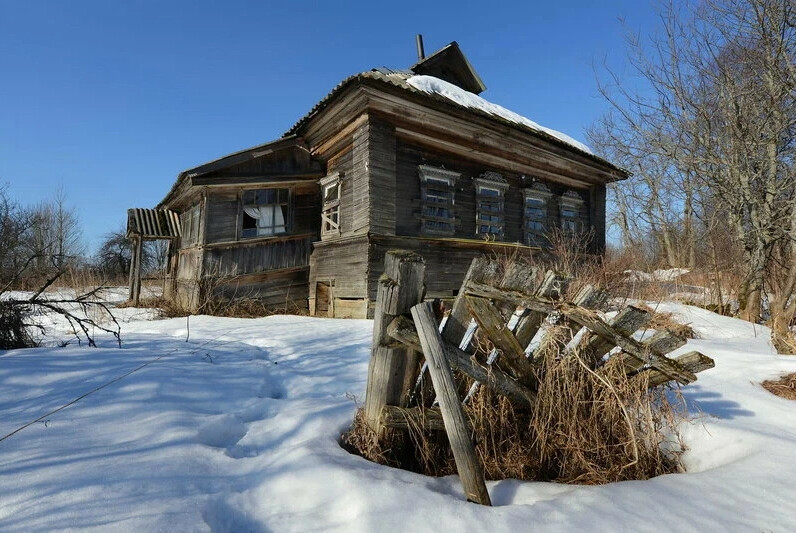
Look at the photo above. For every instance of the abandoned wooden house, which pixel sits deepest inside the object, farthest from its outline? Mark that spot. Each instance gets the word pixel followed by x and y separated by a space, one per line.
pixel 410 159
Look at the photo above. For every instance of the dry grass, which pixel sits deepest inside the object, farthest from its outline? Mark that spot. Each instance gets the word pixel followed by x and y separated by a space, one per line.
pixel 585 428
pixel 666 321
pixel 784 387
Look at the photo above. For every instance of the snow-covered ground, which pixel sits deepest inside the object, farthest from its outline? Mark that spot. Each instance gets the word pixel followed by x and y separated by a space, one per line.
pixel 236 427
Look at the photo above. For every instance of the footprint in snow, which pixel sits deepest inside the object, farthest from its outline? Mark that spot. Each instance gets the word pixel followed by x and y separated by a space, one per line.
pixel 224 431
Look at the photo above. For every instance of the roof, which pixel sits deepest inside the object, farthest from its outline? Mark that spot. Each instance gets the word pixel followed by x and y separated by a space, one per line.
pixel 153 223
pixel 400 79
pixel 235 158
pixel 450 64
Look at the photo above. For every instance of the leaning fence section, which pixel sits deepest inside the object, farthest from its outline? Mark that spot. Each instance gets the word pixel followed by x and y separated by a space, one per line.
pixel 504 321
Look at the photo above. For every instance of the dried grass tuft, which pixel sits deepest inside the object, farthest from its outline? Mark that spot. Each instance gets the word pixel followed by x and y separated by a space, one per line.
pixel 784 387
pixel 666 321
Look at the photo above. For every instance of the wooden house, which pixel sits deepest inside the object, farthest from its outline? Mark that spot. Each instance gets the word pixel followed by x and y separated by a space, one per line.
pixel 410 159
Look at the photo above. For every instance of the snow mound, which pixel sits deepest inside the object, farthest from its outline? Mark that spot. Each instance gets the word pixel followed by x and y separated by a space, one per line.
pixel 237 428
pixel 432 85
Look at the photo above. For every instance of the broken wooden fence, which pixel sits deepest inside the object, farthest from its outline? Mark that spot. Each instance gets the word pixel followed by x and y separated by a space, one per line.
pixel 509 308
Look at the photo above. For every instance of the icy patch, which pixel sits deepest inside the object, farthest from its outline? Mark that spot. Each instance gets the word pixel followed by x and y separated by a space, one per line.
pixel 432 85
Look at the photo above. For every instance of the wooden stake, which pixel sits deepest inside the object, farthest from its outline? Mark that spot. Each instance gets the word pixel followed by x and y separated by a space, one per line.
pixel 392 366
pixel 452 414
pixel 135 270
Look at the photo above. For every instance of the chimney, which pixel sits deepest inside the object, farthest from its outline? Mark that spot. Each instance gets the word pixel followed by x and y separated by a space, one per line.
pixel 421 54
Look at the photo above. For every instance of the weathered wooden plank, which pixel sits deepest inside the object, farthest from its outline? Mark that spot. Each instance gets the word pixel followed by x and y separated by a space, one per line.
pixel 534 303
pixel 692 361
pixel 492 325
pixel 662 342
pixel 392 369
pixel 408 417
pixel 402 330
pixel 629 345
pixel 481 270
pixel 456 427
pixel 626 322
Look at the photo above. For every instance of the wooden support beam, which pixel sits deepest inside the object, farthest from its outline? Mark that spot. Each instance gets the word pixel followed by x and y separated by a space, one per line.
pixel 406 417
pixel 403 330
pixel 458 322
pixel 692 361
pixel 392 367
pixel 135 270
pixel 634 348
pixel 467 465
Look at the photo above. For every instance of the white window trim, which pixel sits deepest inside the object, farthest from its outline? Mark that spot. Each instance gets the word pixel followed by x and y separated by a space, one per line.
pixel 450 177
pixel 538 191
pixel 494 182
pixel 329 227
pixel 571 201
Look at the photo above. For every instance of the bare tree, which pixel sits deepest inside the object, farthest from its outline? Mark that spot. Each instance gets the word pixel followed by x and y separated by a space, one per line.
pixel 719 108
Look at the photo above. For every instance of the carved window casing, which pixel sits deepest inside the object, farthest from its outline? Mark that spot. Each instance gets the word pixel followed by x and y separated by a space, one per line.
pixel 537 198
pixel 438 198
pixel 264 212
pixel 330 214
pixel 571 206
pixel 490 192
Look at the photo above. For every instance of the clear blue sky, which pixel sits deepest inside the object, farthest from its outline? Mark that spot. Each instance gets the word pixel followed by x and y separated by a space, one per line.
pixel 112 99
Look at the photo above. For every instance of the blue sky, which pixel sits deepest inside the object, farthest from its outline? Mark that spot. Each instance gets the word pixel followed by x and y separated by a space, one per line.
pixel 113 99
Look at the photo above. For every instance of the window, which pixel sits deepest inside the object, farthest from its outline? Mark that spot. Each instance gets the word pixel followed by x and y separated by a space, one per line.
pixel 535 214
pixel 571 220
pixel 264 212
pixel 189 226
pixel 490 190
pixel 437 187
pixel 330 215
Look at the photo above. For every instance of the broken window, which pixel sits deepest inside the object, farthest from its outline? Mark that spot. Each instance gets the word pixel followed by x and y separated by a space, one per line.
pixel 438 187
pixel 330 215
pixel 535 214
pixel 490 192
pixel 264 212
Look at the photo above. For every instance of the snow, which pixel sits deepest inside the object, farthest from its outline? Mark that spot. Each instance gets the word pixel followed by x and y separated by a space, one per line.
pixel 237 427
pixel 668 274
pixel 432 85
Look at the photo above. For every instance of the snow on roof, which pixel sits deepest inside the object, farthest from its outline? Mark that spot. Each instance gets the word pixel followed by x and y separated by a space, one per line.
pixel 432 85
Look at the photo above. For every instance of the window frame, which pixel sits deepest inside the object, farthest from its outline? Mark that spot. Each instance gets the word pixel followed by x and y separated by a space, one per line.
pixel 572 202
pixel 538 192
pixel 490 205
pixel 438 184
pixel 330 210
pixel 287 216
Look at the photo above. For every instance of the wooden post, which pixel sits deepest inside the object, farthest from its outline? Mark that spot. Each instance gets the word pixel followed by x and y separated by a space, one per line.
pixel 452 414
pixel 135 269
pixel 393 366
